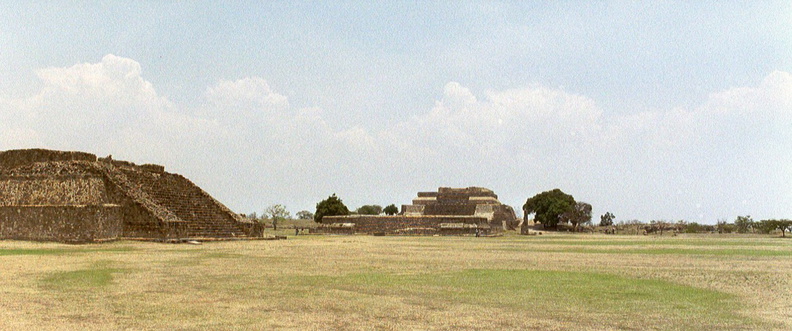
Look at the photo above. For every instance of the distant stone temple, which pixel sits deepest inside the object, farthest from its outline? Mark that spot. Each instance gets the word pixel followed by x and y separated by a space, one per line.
pixel 77 197
pixel 450 211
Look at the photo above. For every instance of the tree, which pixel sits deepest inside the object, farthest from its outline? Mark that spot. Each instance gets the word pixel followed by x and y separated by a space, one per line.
pixel 723 226
pixel 784 225
pixel 743 224
pixel 332 206
pixel 766 226
pixel 607 219
pixel 549 206
pixel 680 226
pixel 305 215
pixel 694 227
pixel 369 210
pixel 659 226
pixel 277 213
pixel 391 210
pixel 580 214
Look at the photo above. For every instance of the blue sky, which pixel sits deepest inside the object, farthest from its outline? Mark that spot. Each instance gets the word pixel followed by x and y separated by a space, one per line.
pixel 650 110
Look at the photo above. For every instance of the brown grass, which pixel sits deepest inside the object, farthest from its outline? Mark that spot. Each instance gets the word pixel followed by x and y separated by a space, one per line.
pixel 361 282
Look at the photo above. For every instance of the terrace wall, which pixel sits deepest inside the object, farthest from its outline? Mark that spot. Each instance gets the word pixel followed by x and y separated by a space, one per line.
pixel 151 203
pixel 13 158
pixel 393 224
pixel 203 216
pixel 61 223
pixel 54 190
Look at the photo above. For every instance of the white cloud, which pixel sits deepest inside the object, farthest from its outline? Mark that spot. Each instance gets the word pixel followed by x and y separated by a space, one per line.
pixel 85 106
pixel 112 76
pixel 250 94
pixel 250 147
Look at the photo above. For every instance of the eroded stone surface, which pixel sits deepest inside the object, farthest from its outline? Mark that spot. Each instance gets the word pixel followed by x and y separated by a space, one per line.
pixel 448 211
pixel 75 196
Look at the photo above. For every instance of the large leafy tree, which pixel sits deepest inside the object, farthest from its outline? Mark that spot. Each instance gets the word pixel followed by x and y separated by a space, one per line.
pixel 549 206
pixel 391 210
pixel 784 226
pixel 770 225
pixel 332 206
pixel 580 214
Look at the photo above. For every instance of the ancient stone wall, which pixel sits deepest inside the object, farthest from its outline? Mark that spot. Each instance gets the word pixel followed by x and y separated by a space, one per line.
pixel 14 158
pixel 63 190
pixel 61 223
pixel 468 201
pixel 400 224
pixel 204 216
pixel 412 210
pixel 153 203
pixel 467 191
pixel 450 209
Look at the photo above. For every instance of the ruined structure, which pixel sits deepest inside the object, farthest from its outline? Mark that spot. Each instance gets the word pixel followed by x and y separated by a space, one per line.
pixel 77 197
pixel 448 211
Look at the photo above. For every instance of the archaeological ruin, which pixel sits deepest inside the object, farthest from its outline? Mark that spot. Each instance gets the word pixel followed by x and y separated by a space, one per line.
pixel 76 197
pixel 449 211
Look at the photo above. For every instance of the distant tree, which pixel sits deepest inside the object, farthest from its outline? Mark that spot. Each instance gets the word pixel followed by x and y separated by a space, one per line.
pixel 391 210
pixel 724 227
pixel 694 227
pixel 332 206
pixel 743 224
pixel 253 216
pixel 768 226
pixel 277 213
pixel 630 225
pixel 607 219
pixel 580 214
pixel 305 215
pixel 659 226
pixel 680 226
pixel 369 210
pixel 549 206
pixel 784 225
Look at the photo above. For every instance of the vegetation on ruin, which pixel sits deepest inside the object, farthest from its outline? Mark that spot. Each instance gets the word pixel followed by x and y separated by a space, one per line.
pixel 553 281
pixel 391 209
pixel 304 215
pixel 332 206
pixel 369 210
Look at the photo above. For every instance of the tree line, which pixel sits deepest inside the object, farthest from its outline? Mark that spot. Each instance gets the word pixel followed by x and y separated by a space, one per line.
pixel 551 209
pixel 332 206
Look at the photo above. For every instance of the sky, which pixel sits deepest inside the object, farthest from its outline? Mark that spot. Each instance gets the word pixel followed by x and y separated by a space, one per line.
pixel 656 110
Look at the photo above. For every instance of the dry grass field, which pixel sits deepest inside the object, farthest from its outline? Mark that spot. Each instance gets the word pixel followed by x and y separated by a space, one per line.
pixel 549 282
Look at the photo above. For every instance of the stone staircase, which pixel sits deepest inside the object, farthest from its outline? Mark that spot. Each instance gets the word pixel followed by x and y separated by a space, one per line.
pixel 204 217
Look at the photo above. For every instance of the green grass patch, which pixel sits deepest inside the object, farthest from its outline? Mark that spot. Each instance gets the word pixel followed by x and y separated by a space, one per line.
pixel 60 251
pixel 581 241
pixel 651 251
pixel 97 276
pixel 603 299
